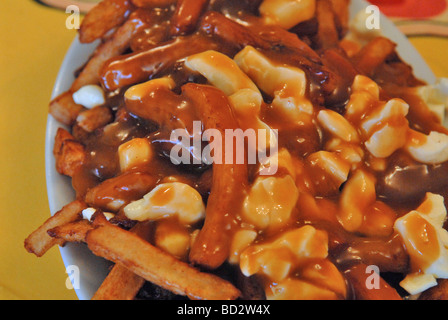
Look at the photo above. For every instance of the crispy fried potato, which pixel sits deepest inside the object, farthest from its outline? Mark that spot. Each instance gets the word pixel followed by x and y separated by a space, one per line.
pixel 94 118
pixel 70 157
pixel 358 278
pixel 39 242
pixel 186 16
pixel 153 3
pixel 327 33
pixel 71 232
pixel 64 109
pixel 373 54
pixel 105 16
pixel 439 292
pixel 116 45
pixel 211 247
pixel 117 192
pixel 61 136
pixel 341 11
pixel 121 283
pixel 157 266
pixel 141 66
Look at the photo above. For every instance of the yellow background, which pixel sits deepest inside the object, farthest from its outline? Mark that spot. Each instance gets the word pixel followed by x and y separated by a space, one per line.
pixel 33 42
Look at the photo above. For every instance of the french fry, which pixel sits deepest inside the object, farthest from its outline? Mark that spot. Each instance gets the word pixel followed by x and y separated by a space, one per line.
pixel 39 242
pixel 358 278
pixel 341 10
pixel 156 266
pixel 121 283
pixel 186 16
pixel 211 247
pixel 92 119
pixel 327 34
pixel 64 109
pixel 153 3
pixel 373 55
pixel 61 136
pixel 71 232
pixel 105 16
pixel 439 292
pixel 117 192
pixel 142 66
pixel 70 157
pixel 232 33
pixel 113 47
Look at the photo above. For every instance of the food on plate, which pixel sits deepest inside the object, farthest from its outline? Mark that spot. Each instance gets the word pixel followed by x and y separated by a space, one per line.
pixel 251 149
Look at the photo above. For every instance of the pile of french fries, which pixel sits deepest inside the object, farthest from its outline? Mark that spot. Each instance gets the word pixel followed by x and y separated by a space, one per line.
pixel 142 40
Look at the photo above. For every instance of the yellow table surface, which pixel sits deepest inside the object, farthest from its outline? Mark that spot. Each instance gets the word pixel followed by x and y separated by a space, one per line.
pixel 33 42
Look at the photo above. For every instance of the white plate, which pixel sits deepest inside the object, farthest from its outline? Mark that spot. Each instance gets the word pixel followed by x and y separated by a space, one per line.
pixel 83 5
pixel 92 269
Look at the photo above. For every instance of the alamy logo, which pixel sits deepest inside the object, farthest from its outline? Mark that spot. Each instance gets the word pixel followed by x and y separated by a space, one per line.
pixel 73 21
pixel 235 147
pixel 373 17
pixel 72 281
pixel 373 280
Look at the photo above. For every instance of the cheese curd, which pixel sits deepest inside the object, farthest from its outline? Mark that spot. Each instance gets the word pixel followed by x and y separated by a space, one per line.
pixel 436 97
pixel 426 242
pixel 246 99
pixel 360 211
pixel 297 259
pixel 221 71
pixel 141 90
pixel 88 213
pixel 286 84
pixel 337 125
pixel 429 149
pixel 287 13
pixel 134 153
pixel 383 125
pixel 90 96
pixel 335 168
pixel 270 202
pixel 168 200
pixel 173 238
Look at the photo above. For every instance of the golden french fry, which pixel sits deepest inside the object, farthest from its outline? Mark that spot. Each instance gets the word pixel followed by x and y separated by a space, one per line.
pixel 439 292
pixel 70 157
pixel 64 109
pixel 117 192
pixel 186 16
pixel 121 283
pixel 156 266
pixel 105 16
pixel 94 118
pixel 61 136
pixel 39 242
pixel 341 11
pixel 113 47
pixel 357 276
pixel 71 232
pixel 153 3
pixel 327 34
pixel 372 55
pixel 211 248
pixel 140 66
